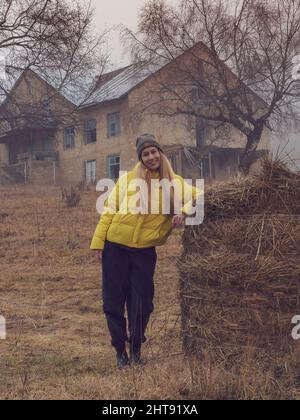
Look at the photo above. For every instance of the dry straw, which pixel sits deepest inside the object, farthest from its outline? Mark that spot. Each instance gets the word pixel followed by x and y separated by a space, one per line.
pixel 240 269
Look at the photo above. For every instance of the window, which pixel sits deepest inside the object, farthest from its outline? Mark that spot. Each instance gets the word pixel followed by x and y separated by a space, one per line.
pixel 30 147
pixel 29 87
pixel 201 134
pixel 90 131
pixel 113 124
pixel 173 161
pixel 49 144
pixel 90 171
pixel 195 96
pixel 198 98
pixel 113 167
pixel 69 138
pixel 204 168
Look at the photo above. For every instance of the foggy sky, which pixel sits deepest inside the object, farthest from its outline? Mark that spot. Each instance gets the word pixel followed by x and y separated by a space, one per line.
pixel 110 13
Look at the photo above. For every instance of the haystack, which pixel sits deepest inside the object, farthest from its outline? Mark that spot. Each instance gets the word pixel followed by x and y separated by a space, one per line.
pixel 240 269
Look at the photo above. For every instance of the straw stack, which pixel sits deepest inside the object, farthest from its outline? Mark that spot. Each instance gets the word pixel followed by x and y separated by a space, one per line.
pixel 240 269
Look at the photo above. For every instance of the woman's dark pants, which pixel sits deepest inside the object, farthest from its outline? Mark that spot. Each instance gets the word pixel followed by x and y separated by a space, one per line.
pixel 127 275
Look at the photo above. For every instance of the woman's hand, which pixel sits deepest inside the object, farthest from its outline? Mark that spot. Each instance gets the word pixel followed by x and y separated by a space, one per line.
pixel 99 255
pixel 178 220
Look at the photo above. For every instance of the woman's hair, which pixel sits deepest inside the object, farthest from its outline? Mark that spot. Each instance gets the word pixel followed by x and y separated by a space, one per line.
pixel 165 172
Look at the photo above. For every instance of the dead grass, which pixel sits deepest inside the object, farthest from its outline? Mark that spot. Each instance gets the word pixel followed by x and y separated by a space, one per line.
pixel 58 346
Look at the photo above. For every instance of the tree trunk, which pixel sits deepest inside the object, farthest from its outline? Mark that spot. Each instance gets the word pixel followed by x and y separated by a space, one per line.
pixel 248 156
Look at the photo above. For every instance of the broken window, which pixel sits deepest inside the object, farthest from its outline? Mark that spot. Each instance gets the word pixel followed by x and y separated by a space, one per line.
pixel 113 124
pixel 90 171
pixel 90 131
pixel 113 166
pixel 69 137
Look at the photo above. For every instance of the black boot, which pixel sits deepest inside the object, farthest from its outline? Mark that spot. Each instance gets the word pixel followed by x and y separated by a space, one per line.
pixel 122 359
pixel 135 358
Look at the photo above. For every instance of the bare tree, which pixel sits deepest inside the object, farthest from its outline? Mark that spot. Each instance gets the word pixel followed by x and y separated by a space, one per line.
pixel 244 76
pixel 55 39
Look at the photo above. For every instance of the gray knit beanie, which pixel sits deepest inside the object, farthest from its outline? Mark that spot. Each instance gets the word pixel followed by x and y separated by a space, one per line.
pixel 144 141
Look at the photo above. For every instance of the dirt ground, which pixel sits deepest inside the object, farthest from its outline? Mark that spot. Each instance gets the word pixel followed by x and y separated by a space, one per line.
pixel 57 344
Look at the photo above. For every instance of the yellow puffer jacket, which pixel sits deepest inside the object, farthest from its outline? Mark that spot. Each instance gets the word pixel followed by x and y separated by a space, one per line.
pixel 134 230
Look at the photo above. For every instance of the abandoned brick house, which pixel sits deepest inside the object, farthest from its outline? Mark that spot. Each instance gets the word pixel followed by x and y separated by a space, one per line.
pixel 55 141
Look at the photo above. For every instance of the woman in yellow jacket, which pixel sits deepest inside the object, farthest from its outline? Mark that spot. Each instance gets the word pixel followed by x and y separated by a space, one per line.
pixel 125 243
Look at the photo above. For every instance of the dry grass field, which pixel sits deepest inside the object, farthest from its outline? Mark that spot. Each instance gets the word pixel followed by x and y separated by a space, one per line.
pixel 58 346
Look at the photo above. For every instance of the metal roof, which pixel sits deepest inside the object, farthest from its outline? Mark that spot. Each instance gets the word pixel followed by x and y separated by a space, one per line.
pixel 121 84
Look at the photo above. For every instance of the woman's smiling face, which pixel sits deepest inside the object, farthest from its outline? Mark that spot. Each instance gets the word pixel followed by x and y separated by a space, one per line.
pixel 151 158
